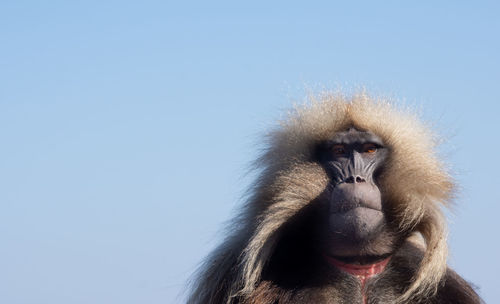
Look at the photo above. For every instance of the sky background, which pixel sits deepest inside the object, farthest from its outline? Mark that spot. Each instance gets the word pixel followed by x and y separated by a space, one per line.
pixel 126 128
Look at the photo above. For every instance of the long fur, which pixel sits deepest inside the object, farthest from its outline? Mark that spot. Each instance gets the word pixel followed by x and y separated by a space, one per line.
pixel 415 182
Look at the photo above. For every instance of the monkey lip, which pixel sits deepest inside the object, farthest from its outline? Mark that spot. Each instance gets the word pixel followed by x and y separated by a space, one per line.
pixel 358 212
pixel 353 209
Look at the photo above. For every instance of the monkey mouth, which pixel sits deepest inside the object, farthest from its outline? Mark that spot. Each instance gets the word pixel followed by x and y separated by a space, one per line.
pixel 362 271
pixel 358 213
pixel 346 197
pixel 351 207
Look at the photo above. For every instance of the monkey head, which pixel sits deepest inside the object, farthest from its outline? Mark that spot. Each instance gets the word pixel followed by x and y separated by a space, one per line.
pixel 356 177
pixel 347 178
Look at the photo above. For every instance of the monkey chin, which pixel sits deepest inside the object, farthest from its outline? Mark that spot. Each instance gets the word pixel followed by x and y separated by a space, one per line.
pixel 355 233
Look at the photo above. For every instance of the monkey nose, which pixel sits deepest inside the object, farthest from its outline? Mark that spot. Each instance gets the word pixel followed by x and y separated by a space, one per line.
pixel 353 179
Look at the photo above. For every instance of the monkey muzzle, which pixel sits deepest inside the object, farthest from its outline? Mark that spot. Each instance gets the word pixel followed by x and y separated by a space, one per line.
pixel 347 196
pixel 355 211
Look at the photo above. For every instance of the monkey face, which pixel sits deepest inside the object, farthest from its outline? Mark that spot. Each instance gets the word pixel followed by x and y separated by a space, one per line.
pixel 353 207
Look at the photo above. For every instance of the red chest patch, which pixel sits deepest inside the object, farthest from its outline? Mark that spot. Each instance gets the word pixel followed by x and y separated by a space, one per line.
pixel 362 272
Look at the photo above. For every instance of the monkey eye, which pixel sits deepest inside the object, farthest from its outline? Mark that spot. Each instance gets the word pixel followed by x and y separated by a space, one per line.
pixel 370 148
pixel 338 150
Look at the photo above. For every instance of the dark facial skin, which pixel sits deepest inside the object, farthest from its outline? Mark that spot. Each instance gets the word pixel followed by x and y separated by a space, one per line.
pixel 356 225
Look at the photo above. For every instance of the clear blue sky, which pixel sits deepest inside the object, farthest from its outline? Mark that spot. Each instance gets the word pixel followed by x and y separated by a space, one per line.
pixel 126 127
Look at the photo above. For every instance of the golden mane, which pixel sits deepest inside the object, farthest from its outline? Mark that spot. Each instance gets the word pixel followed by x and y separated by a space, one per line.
pixel 415 183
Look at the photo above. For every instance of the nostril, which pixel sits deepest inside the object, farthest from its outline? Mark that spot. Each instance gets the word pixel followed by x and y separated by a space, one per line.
pixel 354 179
pixel 359 179
pixel 350 180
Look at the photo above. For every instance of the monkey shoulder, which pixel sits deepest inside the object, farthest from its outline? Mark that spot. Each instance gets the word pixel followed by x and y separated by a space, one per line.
pixel 454 289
